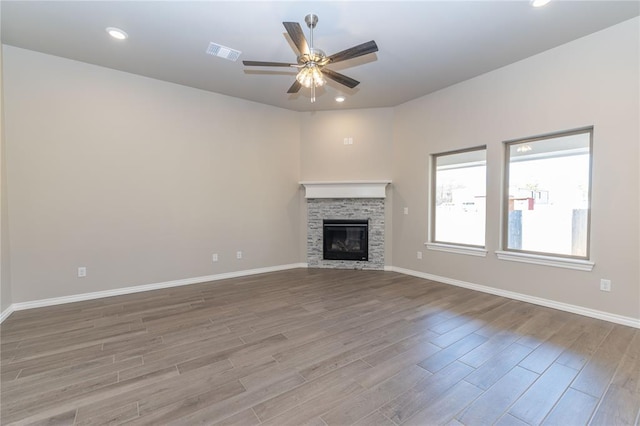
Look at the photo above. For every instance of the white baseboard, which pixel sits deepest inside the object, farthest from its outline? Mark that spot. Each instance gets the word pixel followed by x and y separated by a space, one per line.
pixel 593 313
pixel 140 288
pixel 5 314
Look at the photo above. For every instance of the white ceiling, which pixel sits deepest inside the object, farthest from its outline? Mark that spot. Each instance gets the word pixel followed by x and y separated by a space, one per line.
pixel 423 45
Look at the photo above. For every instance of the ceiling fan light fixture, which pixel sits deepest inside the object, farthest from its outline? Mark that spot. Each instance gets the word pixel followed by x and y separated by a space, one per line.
pixel 310 76
pixel 117 33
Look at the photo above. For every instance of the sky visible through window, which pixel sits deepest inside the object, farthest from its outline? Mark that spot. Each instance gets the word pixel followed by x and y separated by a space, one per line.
pixel 551 199
pixel 565 178
pixel 460 205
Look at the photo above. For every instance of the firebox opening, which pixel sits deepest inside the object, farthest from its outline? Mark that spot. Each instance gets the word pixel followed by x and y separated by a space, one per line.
pixel 346 239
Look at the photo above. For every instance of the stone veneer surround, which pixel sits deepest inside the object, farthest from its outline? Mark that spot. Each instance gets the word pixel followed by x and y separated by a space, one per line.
pixel 345 208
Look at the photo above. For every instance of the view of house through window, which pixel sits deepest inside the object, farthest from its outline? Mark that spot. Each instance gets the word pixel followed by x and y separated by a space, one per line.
pixel 547 204
pixel 459 197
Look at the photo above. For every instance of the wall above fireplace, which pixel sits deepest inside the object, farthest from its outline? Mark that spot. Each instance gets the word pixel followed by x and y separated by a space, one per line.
pixel 346 189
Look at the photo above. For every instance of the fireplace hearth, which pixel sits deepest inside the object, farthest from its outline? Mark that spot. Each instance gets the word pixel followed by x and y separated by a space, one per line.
pixel 345 239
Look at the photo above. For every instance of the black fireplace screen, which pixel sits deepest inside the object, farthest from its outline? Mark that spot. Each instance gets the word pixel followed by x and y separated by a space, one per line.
pixel 346 239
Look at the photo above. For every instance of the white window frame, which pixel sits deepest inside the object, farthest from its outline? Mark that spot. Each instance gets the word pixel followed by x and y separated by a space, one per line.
pixel 582 263
pixel 450 247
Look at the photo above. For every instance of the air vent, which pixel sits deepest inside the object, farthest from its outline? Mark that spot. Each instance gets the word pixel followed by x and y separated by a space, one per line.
pixel 223 51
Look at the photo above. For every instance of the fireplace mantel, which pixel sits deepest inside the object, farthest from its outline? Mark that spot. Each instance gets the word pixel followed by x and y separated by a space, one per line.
pixel 346 189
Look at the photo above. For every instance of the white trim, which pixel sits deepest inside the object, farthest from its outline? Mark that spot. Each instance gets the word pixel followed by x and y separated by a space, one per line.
pixel 593 313
pixel 538 259
pixel 453 248
pixel 4 315
pixel 346 189
pixel 140 288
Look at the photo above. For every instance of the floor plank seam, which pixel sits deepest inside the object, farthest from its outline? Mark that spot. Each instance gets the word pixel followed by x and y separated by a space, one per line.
pixel 255 414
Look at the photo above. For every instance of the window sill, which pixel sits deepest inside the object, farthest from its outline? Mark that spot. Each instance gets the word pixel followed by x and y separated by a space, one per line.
pixel 452 248
pixel 537 259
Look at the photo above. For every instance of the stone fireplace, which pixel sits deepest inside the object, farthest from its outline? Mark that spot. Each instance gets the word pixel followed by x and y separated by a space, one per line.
pixel 345 202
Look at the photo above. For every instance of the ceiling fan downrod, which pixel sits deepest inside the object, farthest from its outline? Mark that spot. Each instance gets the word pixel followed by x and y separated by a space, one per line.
pixel 311 21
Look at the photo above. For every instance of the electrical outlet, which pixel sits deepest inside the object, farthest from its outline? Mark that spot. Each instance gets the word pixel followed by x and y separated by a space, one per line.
pixel 238 255
pixel 419 255
pixel 82 272
pixel 605 285
pixel 348 141
pixel 214 257
pixel 406 210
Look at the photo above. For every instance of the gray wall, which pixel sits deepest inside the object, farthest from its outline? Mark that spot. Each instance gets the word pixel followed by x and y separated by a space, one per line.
pixel 139 180
pixel 5 276
pixel 591 81
pixel 325 157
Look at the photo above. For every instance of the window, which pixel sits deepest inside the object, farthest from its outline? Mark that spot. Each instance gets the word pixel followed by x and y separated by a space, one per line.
pixel 547 195
pixel 458 201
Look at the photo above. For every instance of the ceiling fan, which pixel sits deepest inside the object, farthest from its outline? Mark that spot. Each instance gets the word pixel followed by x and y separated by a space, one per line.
pixel 312 61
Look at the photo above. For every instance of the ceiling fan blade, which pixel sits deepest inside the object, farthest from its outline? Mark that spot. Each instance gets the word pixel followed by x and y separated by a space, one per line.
pixel 355 51
pixel 267 64
pixel 340 78
pixel 295 87
pixel 297 36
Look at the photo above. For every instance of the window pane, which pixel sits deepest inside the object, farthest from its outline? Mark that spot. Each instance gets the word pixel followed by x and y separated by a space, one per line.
pixel 548 200
pixel 460 197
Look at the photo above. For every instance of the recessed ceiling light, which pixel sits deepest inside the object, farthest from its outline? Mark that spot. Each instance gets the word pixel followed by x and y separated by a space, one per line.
pixel 340 98
pixel 117 33
pixel 539 3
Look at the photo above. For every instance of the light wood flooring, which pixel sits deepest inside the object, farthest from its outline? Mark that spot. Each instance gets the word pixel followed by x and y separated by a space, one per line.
pixel 316 347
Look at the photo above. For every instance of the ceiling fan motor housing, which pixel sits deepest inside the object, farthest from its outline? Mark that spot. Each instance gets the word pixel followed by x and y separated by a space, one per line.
pixel 315 56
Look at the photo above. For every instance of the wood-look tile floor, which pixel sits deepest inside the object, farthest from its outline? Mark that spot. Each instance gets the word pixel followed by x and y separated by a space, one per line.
pixel 316 347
